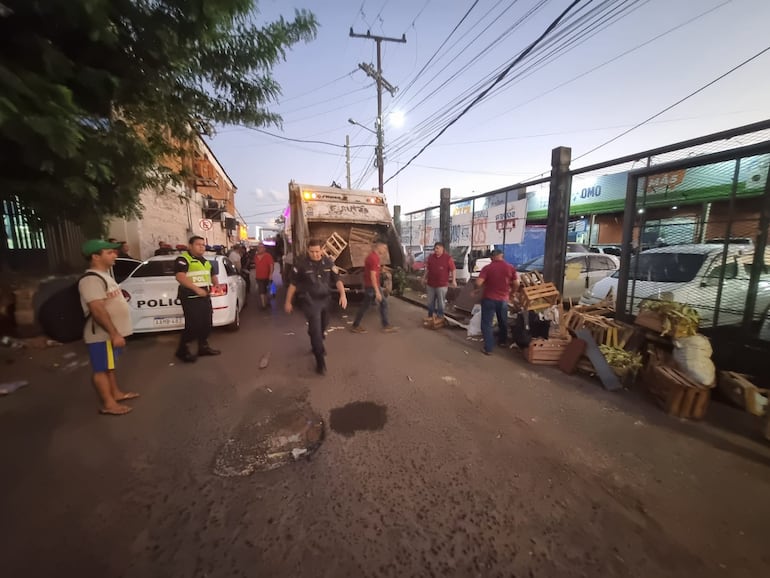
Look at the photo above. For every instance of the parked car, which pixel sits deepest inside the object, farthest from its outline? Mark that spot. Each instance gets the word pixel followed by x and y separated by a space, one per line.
pixel 151 292
pixel 613 250
pixel 690 274
pixel 581 272
pixel 123 268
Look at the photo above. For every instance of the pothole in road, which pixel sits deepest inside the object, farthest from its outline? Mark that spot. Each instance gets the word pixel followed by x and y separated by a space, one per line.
pixel 358 416
pixel 274 441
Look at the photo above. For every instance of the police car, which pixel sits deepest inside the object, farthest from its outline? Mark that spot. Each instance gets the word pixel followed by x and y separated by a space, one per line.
pixel 151 292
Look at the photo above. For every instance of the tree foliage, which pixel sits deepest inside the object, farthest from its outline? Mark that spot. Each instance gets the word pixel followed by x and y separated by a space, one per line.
pixel 96 96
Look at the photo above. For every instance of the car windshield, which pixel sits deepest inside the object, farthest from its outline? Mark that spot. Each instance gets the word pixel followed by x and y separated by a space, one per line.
pixel 165 268
pixel 665 267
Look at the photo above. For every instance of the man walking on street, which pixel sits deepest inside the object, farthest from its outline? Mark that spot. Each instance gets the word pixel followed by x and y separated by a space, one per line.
pixel 373 291
pixel 311 279
pixel 438 269
pixel 108 323
pixel 263 273
pixel 498 279
pixel 193 272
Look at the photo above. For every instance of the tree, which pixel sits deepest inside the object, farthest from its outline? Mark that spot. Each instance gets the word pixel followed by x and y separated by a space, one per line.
pixel 100 98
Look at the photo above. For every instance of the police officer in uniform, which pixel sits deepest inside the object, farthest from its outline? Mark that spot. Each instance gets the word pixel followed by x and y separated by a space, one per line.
pixel 193 272
pixel 311 279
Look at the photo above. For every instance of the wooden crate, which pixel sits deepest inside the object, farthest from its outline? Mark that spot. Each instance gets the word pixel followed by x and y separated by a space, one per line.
pixel 546 351
pixel 676 394
pixel 434 322
pixel 539 297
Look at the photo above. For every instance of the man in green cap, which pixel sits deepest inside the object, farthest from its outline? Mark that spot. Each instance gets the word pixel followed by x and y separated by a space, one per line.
pixel 108 323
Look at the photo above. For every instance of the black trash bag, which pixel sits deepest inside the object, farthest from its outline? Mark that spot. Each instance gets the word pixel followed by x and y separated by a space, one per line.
pixel 523 332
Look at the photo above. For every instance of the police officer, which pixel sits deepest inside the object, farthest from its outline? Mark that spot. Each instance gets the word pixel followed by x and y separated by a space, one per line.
pixel 193 272
pixel 311 279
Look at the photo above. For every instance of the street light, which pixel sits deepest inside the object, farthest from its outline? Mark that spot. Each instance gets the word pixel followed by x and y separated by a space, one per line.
pixel 378 150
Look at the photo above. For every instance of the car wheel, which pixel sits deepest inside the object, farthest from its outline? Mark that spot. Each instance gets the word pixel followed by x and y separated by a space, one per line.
pixel 236 324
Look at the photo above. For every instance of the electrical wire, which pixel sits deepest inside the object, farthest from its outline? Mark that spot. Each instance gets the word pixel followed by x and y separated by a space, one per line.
pixel 499 79
pixel 577 29
pixel 677 103
pixel 299 140
pixel 611 60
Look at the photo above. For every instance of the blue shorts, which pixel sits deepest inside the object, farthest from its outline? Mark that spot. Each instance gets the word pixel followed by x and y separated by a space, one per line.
pixel 103 356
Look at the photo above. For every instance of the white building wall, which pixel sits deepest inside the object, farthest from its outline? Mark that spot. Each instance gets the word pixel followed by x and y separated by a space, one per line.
pixel 170 217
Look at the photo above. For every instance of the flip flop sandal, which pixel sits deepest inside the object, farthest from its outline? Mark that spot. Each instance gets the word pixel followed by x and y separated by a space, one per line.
pixel 129 395
pixel 120 412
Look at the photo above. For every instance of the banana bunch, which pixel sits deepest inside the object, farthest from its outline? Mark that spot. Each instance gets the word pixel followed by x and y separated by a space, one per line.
pixel 620 360
pixel 674 316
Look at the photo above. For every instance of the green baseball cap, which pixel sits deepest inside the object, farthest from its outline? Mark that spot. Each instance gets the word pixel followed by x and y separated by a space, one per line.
pixel 93 246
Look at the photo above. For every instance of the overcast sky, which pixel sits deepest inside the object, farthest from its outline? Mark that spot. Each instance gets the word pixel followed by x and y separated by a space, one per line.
pixel 608 66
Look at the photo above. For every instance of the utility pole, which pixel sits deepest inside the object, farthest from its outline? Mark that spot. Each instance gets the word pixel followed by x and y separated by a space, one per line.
pixel 347 157
pixel 377 75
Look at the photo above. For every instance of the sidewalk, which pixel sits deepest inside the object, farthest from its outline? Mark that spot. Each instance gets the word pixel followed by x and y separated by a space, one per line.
pixel 721 416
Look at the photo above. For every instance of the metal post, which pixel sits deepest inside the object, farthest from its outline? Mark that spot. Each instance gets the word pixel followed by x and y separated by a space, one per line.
pixel 443 218
pixel 558 217
pixel 629 216
pixel 728 235
pixel 758 266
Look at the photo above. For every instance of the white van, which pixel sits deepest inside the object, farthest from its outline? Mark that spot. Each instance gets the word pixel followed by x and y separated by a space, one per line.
pixel 690 274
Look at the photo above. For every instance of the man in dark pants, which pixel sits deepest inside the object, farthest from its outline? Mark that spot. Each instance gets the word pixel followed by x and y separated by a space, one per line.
pixel 311 280
pixel 193 272
pixel 498 280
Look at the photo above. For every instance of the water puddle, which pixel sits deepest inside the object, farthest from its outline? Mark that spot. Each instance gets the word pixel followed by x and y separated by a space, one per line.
pixel 358 416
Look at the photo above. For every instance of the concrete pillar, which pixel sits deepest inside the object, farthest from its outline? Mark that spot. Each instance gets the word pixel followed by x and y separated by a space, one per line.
pixel 444 225
pixel 558 217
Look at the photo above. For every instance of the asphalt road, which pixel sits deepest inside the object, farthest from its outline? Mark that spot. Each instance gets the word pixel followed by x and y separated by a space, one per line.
pixel 456 464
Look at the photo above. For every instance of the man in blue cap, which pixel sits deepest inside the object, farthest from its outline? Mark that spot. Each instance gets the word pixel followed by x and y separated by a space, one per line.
pixel 108 323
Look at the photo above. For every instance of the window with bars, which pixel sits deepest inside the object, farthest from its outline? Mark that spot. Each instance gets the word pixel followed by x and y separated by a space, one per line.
pixel 18 231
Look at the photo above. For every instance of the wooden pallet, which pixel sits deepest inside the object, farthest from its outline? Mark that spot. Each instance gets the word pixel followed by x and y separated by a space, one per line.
pixel 537 297
pixel 359 235
pixel 334 246
pixel 530 278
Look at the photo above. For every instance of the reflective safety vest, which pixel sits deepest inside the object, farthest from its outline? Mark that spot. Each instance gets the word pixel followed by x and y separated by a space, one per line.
pixel 197 272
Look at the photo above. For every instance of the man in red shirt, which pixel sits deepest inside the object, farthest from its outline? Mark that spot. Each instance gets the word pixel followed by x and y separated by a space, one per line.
pixel 263 273
pixel 498 280
pixel 373 292
pixel 438 268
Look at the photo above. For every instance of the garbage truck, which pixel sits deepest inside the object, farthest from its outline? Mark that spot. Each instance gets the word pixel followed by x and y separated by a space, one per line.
pixel 346 222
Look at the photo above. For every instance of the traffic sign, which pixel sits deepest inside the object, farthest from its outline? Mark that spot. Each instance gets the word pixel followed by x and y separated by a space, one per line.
pixel 206 224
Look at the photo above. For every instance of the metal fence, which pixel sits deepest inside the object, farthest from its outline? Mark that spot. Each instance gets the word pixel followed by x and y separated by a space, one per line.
pixel 25 248
pixel 690 221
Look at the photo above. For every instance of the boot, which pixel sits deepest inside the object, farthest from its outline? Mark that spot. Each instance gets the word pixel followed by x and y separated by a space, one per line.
pixel 320 364
pixel 206 349
pixel 184 354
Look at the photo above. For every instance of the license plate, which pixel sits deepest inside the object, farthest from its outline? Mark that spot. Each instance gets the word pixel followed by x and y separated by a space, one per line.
pixel 168 321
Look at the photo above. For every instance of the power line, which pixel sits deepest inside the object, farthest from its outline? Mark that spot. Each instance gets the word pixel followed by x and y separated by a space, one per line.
pixel 497 81
pixel 305 141
pixel 677 103
pixel 615 58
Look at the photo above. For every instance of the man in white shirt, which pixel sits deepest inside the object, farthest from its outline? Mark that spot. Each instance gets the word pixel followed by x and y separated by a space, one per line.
pixel 108 323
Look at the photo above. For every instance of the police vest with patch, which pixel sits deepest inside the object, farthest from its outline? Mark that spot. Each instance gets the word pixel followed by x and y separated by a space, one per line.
pixel 198 273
